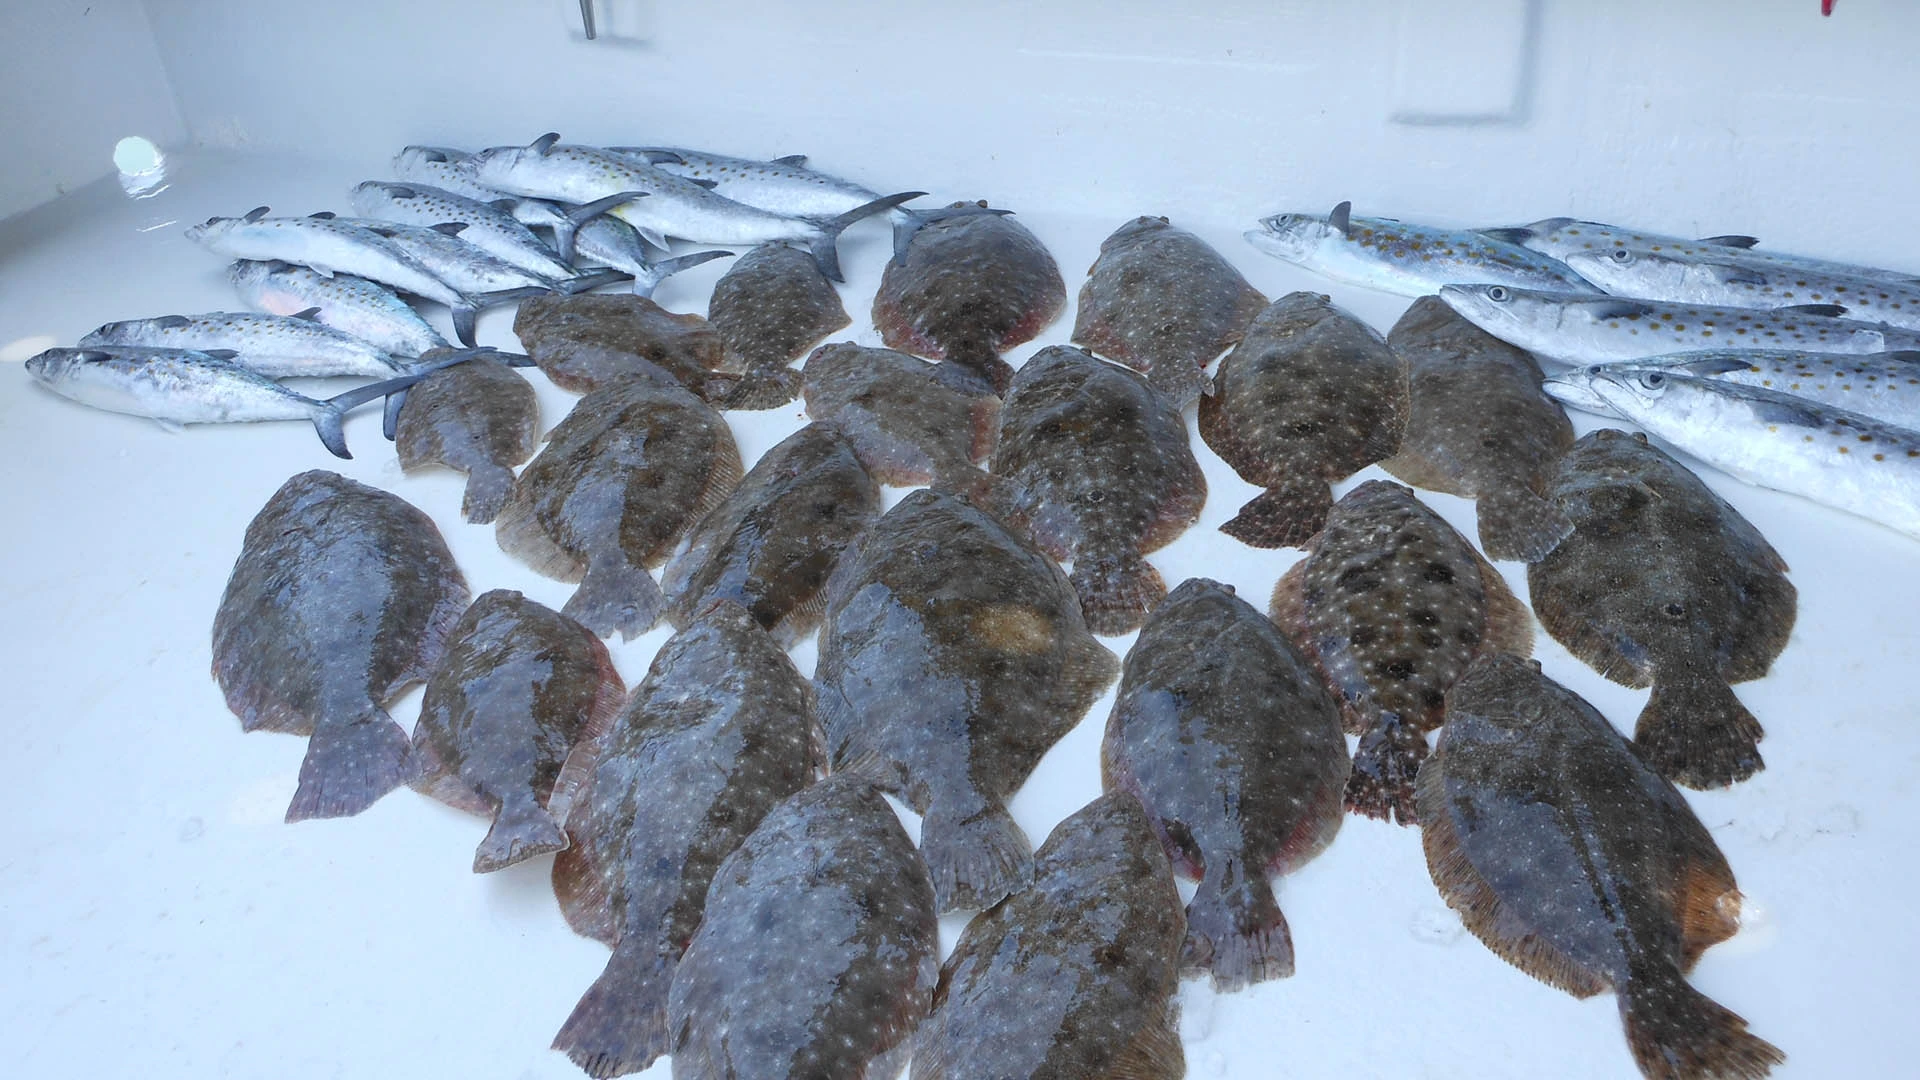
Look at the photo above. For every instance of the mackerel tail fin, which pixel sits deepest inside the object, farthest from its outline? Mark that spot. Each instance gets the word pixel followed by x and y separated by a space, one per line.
pixel 329 414
pixel 824 245
pixel 579 215
pixel 467 312
pixel 644 284
pixel 1695 732
pixel 593 280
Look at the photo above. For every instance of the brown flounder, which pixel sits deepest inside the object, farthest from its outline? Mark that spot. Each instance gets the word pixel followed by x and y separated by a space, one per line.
pixel 1662 582
pixel 480 418
pixel 953 656
pixel 771 546
pixel 967 288
pixel 342 596
pixel 719 733
pixel 629 470
pixel 1161 300
pixel 1095 466
pixel 1310 396
pixel 1574 861
pixel 1228 736
pixel 771 306
pixel 1073 977
pixel 911 421
pixel 590 340
pixel 1394 604
pixel 519 685
pixel 819 950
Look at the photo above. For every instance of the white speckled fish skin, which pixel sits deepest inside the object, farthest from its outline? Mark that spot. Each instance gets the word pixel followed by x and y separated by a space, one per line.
pixel 1772 440
pixel 276 346
pixel 1885 386
pixel 1578 330
pixel 782 187
pixel 489 228
pixel 329 247
pixel 1729 283
pixel 175 386
pixel 1561 237
pixel 351 305
pixel 461 265
pixel 444 168
pixel 1404 258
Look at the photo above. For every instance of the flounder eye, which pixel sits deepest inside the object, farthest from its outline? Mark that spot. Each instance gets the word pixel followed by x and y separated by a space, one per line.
pixel 1498 294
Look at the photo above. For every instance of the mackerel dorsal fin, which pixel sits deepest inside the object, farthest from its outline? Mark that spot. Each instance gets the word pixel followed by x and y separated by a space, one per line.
pixel 401 191
pixel 504 204
pixel 1619 308
pixel 795 160
pixel 1714 365
pixel 544 143
pixel 323 215
pixel 450 228
pixel 1732 240
pixel 1830 311
pixel 430 154
pixel 1342 218
pixel 255 214
pixel 1904 356
pixel 1513 234
pixel 1781 409
pixel 1730 274
pixel 172 322
pixel 311 314
pixel 703 182
pixel 220 354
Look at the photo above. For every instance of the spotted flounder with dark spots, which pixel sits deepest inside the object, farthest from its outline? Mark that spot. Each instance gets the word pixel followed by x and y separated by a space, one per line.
pixel 771 546
pixel 719 733
pixel 953 656
pixel 343 595
pixel 1662 582
pixel 1479 426
pixel 1578 864
pixel 911 422
pixel 1228 736
pixel 590 340
pixel 480 418
pixel 519 685
pixel 1073 977
pixel 1311 395
pixel 629 470
pixel 819 950
pixel 1394 604
pixel 770 307
pixel 1094 464
pixel 967 288
pixel 1160 300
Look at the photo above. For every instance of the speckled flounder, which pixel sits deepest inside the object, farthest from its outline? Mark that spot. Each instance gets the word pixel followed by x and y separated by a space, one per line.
pixel 954 656
pixel 629 470
pixel 1576 863
pixel 343 595
pixel 519 685
pixel 966 289
pixel 1311 395
pixel 1074 977
pixel 1394 604
pixel 819 950
pixel 592 340
pixel 480 418
pixel 771 306
pixel 1479 426
pixel 1662 582
pixel 1095 467
pixel 718 734
pixel 1161 300
pixel 1228 736
pixel 771 546
pixel 910 421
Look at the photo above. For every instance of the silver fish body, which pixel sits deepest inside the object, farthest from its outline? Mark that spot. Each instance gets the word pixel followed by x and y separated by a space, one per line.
pixel 1404 258
pixel 1560 237
pixel 326 245
pixel 609 241
pixel 783 186
pixel 1885 386
pixel 352 305
pixel 488 227
pixel 1576 330
pixel 277 346
pixel 1834 457
pixel 449 257
pixel 1730 283
pixel 448 169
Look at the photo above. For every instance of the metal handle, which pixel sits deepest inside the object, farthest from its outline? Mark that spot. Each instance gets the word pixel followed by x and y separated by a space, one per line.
pixel 586 18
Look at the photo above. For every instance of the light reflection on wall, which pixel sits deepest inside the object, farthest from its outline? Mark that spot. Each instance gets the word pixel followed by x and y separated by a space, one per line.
pixel 143 168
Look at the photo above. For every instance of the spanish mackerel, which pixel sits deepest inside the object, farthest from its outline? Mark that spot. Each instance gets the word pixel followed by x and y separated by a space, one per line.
pixel 448 169
pixel 1885 386
pixel 277 346
pixel 1404 258
pixel 612 242
pixel 676 207
pixel 1654 275
pixel 330 247
pixel 1769 439
pixel 467 267
pixel 488 227
pixel 1576 330
pixel 352 305
pixel 1562 236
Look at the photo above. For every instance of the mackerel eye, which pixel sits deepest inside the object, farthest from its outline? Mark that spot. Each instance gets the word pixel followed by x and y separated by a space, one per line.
pixel 1622 257
pixel 1653 380
pixel 1498 294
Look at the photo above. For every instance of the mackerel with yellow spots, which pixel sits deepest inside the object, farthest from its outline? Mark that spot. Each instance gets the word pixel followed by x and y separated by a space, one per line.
pixel 1609 329
pixel 1884 386
pixel 1404 258
pixel 1657 275
pixel 1772 440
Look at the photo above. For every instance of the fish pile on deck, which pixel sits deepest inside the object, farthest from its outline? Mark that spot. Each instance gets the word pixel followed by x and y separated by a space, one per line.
pixel 765 922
